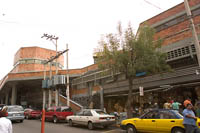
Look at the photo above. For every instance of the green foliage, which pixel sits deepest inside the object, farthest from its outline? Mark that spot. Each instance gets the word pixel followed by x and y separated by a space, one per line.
pixel 127 53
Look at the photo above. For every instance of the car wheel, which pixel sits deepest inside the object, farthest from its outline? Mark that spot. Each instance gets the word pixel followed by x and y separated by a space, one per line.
pixel 178 130
pixel 70 123
pixel 21 121
pixel 55 119
pixel 90 125
pixel 131 129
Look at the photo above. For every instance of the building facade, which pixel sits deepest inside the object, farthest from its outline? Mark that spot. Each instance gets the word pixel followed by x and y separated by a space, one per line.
pixel 23 84
pixel 173 27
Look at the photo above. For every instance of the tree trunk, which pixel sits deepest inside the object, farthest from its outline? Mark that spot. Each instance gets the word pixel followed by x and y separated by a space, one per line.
pixel 129 100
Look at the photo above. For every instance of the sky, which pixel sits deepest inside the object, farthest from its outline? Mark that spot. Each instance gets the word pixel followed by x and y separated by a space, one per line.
pixel 78 23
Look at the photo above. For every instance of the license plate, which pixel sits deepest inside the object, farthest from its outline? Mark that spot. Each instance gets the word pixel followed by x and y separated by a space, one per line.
pixel 108 119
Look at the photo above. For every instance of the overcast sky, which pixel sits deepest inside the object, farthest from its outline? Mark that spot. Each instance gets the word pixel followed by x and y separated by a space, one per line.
pixel 80 23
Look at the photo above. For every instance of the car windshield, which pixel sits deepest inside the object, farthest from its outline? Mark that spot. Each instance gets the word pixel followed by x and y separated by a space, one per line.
pixel 101 112
pixel 177 114
pixel 15 109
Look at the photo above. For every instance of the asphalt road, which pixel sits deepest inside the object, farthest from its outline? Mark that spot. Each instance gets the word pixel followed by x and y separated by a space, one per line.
pixel 34 126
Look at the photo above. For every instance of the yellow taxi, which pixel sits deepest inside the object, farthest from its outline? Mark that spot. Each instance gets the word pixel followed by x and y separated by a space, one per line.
pixel 156 121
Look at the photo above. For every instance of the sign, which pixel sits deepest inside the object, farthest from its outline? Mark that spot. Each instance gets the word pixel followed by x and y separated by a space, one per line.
pixel 141 89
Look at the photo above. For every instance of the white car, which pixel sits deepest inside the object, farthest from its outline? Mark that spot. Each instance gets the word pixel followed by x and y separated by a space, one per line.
pixel 91 118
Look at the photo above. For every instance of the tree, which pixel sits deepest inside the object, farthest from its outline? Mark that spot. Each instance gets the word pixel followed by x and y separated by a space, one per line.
pixel 129 54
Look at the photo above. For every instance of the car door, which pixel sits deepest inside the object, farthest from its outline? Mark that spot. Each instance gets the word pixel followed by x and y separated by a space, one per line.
pixel 167 121
pixel 49 113
pixel 87 115
pixel 78 117
pixel 59 113
pixel 149 121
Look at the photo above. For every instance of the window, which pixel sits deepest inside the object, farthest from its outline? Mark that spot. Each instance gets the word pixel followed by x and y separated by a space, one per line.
pixel 50 110
pixel 101 112
pixel 87 113
pixel 180 52
pixel 80 113
pixel 167 115
pixel 58 110
pixel 66 109
pixel 151 115
pixel 196 12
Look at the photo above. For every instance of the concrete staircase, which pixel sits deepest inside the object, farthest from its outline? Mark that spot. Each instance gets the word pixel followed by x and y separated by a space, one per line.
pixel 75 106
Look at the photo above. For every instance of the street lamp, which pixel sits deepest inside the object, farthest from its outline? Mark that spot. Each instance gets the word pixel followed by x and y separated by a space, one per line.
pixel 53 38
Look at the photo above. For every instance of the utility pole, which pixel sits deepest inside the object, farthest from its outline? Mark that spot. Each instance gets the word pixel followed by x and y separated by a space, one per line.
pixel 67 68
pixel 53 38
pixel 196 41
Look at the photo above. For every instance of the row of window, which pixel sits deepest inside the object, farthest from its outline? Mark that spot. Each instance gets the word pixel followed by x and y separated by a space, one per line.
pixel 177 20
pixel 36 61
pixel 180 52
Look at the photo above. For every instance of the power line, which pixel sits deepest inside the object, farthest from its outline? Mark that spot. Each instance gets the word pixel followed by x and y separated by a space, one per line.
pixel 152 4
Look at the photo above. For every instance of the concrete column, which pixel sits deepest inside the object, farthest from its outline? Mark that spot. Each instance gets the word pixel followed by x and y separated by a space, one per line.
pixel 50 98
pixel 101 98
pixel 7 96
pixel 14 95
pixel 57 97
pixel 44 98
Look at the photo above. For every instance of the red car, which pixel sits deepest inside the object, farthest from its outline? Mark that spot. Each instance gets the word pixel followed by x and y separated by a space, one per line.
pixel 57 114
pixel 32 113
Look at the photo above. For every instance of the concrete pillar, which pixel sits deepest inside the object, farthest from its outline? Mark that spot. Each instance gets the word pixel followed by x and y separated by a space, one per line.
pixel 101 98
pixel 57 97
pixel 7 96
pixel 14 95
pixel 50 98
pixel 44 98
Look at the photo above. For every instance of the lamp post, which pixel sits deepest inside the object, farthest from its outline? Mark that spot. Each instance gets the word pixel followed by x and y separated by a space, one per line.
pixel 67 68
pixel 53 38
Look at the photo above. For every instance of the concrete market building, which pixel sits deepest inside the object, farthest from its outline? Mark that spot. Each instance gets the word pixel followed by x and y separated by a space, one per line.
pixel 92 88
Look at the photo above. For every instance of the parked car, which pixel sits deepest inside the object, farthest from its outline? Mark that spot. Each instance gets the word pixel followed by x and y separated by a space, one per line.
pixel 15 113
pixel 32 113
pixel 91 118
pixel 158 120
pixel 58 113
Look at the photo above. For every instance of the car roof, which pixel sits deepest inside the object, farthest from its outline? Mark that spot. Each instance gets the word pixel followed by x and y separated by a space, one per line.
pixel 92 109
pixel 14 106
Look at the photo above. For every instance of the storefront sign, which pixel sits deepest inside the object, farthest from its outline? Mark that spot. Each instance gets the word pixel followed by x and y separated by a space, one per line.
pixel 141 91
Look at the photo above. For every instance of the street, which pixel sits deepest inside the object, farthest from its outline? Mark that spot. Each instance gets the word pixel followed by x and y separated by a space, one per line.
pixel 34 126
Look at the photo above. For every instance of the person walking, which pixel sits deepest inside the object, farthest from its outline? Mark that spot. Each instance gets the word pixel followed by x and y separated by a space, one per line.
pixel 175 105
pixel 189 120
pixel 197 110
pixel 167 105
pixel 187 101
pixel 5 124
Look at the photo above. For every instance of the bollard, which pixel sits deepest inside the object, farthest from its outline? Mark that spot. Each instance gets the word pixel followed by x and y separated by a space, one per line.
pixel 43 121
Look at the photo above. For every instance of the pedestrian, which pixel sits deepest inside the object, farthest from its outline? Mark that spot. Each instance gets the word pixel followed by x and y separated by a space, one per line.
pixel 189 120
pixel 187 101
pixel 5 124
pixel 156 106
pixel 197 110
pixel 167 105
pixel 175 105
